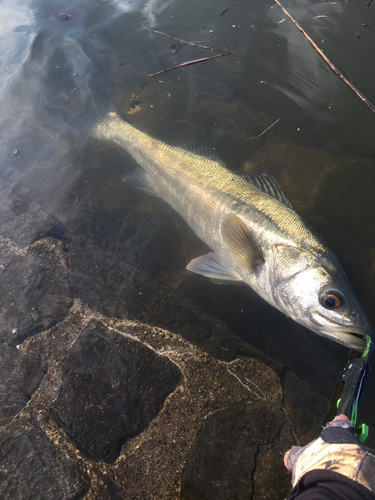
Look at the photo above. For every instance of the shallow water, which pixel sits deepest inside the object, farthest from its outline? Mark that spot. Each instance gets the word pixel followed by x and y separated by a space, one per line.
pixel 322 150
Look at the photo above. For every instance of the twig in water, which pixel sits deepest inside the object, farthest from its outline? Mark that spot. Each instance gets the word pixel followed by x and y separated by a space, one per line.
pixel 189 63
pixel 327 15
pixel 330 64
pixel 222 53
pixel 233 37
pixel 264 131
pixel 186 42
pixel 182 65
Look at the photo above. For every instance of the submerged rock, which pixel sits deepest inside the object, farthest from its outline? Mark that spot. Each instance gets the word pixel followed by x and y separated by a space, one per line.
pixel 111 389
pixel 20 376
pixel 35 291
pixel 31 466
pixel 238 454
pixel 118 290
pixel 120 387
pixel 23 222
pixel 305 408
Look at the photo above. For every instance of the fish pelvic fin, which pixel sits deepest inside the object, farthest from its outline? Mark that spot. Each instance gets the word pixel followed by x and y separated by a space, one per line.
pixel 211 266
pixel 241 243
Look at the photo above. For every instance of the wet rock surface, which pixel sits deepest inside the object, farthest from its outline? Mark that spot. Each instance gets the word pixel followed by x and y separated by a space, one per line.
pixel 35 292
pixel 31 466
pixel 305 408
pixel 116 386
pixel 224 459
pixel 24 223
pixel 20 376
pixel 118 290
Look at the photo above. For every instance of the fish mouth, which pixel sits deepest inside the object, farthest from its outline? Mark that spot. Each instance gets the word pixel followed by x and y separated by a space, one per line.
pixel 350 335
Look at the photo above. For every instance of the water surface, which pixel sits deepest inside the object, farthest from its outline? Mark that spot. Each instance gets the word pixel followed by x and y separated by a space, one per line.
pixel 322 150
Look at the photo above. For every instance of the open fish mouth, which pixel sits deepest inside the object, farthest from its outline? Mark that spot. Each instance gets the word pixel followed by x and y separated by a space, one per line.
pixel 350 335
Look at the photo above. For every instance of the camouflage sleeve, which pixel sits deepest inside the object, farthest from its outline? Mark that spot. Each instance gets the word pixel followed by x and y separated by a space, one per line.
pixel 338 450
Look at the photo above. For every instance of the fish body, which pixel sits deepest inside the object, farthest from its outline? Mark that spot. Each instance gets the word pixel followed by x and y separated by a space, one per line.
pixel 255 235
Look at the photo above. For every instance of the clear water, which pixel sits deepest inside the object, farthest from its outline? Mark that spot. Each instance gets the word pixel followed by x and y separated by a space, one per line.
pixel 322 150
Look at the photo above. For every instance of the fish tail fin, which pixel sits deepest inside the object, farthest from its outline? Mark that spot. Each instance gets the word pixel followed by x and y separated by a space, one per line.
pixel 102 111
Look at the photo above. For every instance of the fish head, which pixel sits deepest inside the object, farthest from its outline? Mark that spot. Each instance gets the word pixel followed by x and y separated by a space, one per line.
pixel 314 291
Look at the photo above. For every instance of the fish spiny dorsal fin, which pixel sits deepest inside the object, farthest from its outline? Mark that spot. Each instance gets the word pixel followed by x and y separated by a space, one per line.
pixel 202 148
pixel 268 184
pixel 241 243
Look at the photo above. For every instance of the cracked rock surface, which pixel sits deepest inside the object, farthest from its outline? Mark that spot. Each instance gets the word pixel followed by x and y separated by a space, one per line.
pixel 33 467
pixel 224 459
pixel 114 386
pixel 35 291
pixel 134 380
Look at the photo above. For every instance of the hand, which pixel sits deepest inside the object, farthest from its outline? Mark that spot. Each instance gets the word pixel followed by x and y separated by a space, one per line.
pixel 337 449
pixel 296 448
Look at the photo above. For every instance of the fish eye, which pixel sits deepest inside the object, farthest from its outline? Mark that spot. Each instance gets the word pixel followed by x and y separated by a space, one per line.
pixel 331 299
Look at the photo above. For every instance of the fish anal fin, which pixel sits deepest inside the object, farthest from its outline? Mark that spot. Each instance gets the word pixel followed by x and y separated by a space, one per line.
pixel 140 180
pixel 241 243
pixel 211 266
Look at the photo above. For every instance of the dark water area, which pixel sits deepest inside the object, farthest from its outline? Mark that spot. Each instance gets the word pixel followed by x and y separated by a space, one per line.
pixel 322 151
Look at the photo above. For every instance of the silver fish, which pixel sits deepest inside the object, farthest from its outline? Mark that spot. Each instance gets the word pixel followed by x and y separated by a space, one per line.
pixel 255 235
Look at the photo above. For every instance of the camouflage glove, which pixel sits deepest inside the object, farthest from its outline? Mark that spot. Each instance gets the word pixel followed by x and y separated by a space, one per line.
pixel 338 450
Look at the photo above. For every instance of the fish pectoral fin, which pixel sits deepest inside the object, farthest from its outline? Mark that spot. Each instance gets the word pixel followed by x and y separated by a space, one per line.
pixel 241 243
pixel 211 266
pixel 140 180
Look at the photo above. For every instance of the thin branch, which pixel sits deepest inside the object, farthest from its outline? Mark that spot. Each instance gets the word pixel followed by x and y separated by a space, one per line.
pixel 189 63
pixel 191 44
pixel 264 131
pixel 330 64
pixel 223 53
pixel 327 15
pixel 231 40
pixel 182 65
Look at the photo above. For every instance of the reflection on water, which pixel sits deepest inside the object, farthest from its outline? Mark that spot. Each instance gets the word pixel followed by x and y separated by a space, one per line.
pixel 322 150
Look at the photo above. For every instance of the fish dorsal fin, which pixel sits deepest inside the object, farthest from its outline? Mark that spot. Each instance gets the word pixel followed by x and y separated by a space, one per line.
pixel 241 243
pixel 211 266
pixel 202 148
pixel 140 180
pixel 268 184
